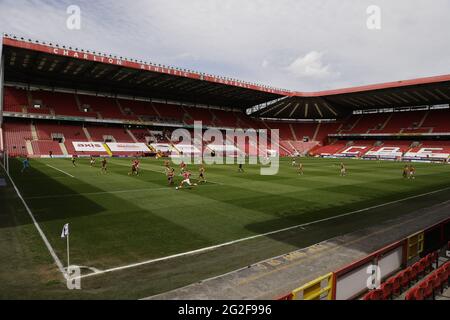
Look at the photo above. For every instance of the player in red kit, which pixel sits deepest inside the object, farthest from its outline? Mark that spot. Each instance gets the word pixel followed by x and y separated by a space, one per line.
pixel 134 168
pixel 182 167
pixel 137 163
pixel 186 180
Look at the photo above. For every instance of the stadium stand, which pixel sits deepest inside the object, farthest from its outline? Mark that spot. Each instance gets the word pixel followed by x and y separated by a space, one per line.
pixel 111 134
pixel 139 108
pixel 330 149
pixel 425 279
pixel 141 135
pixel 106 107
pixel 291 137
pixel 62 103
pixel 225 119
pixel 15 99
pixel 169 111
pixel 365 123
pixel 46 147
pixel 404 122
pixel 438 120
pixel 16 135
pixel 306 137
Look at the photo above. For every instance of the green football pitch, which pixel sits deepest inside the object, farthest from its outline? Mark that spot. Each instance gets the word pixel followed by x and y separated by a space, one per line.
pixel 119 224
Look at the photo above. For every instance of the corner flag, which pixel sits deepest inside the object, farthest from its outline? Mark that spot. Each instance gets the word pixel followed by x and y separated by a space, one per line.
pixel 65 231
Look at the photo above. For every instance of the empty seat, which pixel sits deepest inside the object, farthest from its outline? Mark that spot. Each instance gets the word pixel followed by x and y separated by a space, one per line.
pixel 405 278
pixel 374 295
pixel 415 293
pixel 427 287
pixel 395 281
pixel 386 290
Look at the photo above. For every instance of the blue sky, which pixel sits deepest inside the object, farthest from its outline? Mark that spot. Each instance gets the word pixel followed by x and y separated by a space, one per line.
pixel 304 45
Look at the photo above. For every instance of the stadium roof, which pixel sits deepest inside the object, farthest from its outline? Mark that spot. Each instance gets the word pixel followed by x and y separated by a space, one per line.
pixel 41 63
pixel 333 104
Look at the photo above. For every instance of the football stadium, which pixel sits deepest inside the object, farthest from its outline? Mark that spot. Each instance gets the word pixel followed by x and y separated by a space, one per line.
pixel 125 179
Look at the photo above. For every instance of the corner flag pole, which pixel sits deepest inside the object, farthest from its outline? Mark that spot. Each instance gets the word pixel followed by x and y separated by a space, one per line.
pixel 68 255
pixel 65 234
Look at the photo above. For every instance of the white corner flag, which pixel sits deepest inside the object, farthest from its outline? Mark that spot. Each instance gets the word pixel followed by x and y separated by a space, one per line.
pixel 65 231
pixel 65 234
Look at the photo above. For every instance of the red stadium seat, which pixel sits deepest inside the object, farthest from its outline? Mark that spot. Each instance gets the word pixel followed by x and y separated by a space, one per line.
pixel 405 278
pixel 395 282
pixel 373 295
pixel 420 268
pixel 377 294
pixel 427 287
pixel 428 261
pixel 435 259
pixel 367 296
pixel 386 290
pixel 442 274
pixel 415 293
pixel 412 274
pixel 446 267
pixel 436 282
pixel 424 265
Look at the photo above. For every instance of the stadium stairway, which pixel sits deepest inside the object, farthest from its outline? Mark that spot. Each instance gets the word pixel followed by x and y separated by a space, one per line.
pixel 63 149
pixel 131 135
pixel 292 131
pixel 29 147
pixel 88 135
pixel 316 132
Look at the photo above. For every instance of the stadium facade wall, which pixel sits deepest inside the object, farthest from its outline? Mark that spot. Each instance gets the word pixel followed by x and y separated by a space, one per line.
pixel 351 281
pixel 132 64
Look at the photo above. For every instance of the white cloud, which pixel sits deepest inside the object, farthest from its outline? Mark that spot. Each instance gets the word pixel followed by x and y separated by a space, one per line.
pixel 311 66
pixel 234 37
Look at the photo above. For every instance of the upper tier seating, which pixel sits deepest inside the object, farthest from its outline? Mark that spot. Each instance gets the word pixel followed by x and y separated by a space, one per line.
pixel 170 111
pixel 403 122
pixel 199 114
pixel 304 130
pixel 139 108
pixel 224 118
pixel 285 132
pixel 438 120
pixel 107 107
pixel 367 122
pixel 61 103
pixel 14 99
pixel 327 128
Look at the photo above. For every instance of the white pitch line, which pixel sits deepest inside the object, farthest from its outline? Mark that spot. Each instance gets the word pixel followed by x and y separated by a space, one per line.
pixel 41 233
pixel 257 236
pixel 60 170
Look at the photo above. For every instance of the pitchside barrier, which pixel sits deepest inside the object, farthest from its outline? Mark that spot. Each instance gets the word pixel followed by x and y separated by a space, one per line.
pixel 352 281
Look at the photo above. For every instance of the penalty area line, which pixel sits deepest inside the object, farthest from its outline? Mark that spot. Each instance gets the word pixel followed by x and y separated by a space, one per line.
pixel 68 174
pixel 210 248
